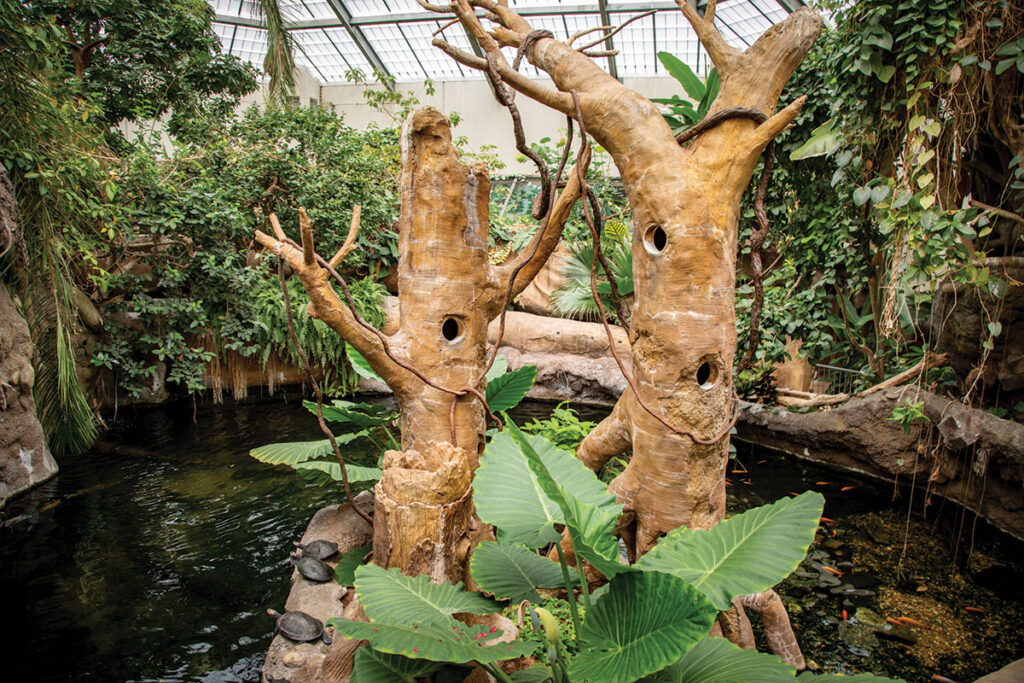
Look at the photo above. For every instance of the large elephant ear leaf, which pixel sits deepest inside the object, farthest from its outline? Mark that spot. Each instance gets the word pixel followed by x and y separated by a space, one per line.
pixel 372 666
pixel 454 642
pixel 507 494
pixel 645 622
pixel 748 553
pixel 506 391
pixel 389 596
pixel 589 519
pixel 510 571
pixel 716 660
pixel 292 452
pixel 355 473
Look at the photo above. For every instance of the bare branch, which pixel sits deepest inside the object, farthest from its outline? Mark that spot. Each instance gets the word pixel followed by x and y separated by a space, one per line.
pixel 325 305
pixel 620 27
pixel 276 224
pixel 721 53
pixel 350 241
pixel 306 230
pixel 552 98
pixel 586 32
pixel 768 130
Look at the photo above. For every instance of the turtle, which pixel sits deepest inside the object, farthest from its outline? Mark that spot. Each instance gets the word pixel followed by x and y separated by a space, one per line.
pixel 299 626
pixel 315 570
pixel 318 550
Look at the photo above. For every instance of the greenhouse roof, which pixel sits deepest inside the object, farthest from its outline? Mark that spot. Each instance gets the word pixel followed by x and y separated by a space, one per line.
pixel 333 37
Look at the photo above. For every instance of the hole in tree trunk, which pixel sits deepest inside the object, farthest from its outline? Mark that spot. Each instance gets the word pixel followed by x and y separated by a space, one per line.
pixel 451 329
pixel 655 239
pixel 706 375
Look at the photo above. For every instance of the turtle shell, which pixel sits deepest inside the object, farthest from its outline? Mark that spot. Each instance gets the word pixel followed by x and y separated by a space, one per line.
pixel 299 626
pixel 315 570
pixel 319 550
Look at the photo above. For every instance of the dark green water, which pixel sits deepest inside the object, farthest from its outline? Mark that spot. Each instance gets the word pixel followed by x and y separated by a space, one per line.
pixel 160 567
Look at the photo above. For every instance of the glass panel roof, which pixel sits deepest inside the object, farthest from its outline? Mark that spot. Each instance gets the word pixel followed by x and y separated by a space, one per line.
pixel 334 37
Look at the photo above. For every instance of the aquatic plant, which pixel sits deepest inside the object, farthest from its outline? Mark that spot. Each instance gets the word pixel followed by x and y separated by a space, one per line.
pixel 649 622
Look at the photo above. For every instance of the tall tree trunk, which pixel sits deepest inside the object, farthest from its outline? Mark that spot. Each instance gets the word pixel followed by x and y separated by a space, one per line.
pixel 685 203
pixel 448 293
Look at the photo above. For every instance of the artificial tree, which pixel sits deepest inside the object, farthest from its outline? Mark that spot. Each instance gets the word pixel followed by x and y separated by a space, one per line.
pixel 685 202
pixel 436 358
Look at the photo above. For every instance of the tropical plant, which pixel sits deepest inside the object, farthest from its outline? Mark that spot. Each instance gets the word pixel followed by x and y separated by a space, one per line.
pixel 650 622
pixel 53 151
pixel 140 59
pixel 563 427
pixel 575 298
pixel 682 113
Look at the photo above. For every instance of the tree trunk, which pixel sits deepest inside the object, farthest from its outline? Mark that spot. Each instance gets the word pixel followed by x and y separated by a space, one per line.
pixel 685 203
pixel 448 293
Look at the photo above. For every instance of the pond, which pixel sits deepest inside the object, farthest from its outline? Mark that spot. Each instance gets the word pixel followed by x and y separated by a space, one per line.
pixel 158 563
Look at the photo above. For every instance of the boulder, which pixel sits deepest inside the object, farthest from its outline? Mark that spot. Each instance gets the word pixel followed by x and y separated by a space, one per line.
pixel 317 662
pixel 24 458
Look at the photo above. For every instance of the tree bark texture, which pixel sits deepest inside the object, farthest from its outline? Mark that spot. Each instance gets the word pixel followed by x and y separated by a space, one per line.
pixel 448 293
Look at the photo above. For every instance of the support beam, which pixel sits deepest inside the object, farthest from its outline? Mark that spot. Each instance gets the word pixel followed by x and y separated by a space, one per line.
pixel 606 20
pixel 345 17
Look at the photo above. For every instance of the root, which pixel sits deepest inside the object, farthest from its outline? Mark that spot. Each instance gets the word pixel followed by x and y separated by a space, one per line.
pixel 777 628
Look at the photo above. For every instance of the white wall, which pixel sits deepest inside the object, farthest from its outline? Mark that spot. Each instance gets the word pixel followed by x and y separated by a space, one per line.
pixel 484 121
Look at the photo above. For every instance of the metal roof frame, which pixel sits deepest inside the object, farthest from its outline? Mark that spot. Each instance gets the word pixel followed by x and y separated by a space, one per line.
pixel 354 24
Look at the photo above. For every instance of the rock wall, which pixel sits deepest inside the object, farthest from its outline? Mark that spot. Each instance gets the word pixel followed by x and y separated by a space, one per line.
pixel 24 459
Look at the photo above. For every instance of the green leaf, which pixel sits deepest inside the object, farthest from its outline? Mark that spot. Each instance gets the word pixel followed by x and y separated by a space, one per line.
pixel 453 642
pixel 538 673
pixel 682 73
pixel 372 666
pixel 507 391
pixel 861 195
pixel 644 623
pixel 590 525
pixel 354 413
pixel 389 596
pixel 360 364
pixel 510 571
pixel 748 553
pixel 885 73
pixel 355 473
pixel 507 494
pixel 345 572
pixel 710 94
pixel 823 140
pixel 292 452
pixel 498 368
pixel 879 193
pixel 716 660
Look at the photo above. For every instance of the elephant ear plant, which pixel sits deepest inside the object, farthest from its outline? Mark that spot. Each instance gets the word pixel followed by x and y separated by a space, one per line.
pixel 649 623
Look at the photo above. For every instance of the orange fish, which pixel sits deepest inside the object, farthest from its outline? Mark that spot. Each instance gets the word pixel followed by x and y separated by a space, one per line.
pixel 822 483
pixel 832 571
pixel 974 610
pixel 826 520
pixel 849 488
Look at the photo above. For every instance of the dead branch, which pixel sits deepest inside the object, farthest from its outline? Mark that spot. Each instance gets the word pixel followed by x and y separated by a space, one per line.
pixel 350 241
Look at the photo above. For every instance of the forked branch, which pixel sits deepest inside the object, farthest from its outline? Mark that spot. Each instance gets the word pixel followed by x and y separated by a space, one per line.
pixel 324 301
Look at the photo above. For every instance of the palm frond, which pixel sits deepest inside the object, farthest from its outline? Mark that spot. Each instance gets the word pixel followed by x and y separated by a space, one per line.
pixel 279 62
